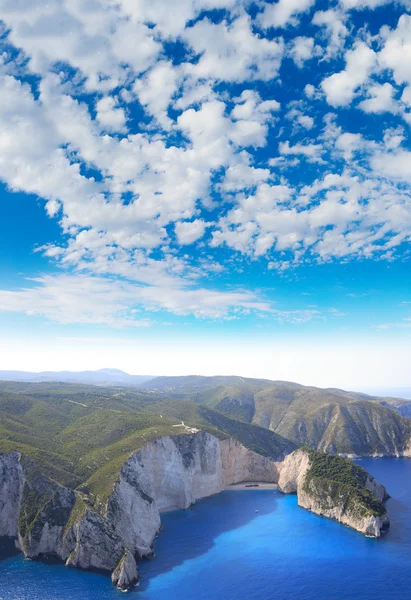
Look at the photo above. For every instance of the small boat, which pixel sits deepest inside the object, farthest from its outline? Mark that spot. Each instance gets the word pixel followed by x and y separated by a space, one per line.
pixel 256 510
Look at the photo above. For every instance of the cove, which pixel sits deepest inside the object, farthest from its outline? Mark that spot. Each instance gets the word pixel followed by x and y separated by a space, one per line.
pixel 222 549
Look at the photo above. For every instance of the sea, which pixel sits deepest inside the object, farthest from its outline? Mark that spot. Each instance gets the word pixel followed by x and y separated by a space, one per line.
pixel 223 549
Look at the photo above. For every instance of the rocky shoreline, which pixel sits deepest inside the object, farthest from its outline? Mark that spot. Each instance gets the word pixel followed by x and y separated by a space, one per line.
pixel 45 518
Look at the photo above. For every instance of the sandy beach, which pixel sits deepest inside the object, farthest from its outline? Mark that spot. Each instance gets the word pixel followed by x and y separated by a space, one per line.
pixel 252 485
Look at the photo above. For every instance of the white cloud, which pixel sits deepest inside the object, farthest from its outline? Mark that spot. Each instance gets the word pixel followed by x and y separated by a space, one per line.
pixel 394 165
pixel 336 30
pixel 311 151
pixel 109 115
pixel 190 231
pixel 381 99
pixel 170 23
pixel 130 194
pixel 305 121
pixel 284 12
pixel 396 52
pixel 156 90
pixel 94 42
pixel 302 50
pixel 349 143
pixel 232 52
pixel 341 87
pixel 114 303
pixel 361 4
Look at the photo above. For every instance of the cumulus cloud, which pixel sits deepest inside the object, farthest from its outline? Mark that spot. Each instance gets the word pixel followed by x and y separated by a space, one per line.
pixel 333 23
pixel 109 115
pixel 232 52
pixel 302 50
pixel 340 88
pixel 310 151
pixel 381 99
pixel 284 12
pixel 190 231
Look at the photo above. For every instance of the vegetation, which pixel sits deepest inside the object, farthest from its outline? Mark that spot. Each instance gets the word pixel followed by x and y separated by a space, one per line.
pixel 343 481
pixel 326 419
pixel 80 435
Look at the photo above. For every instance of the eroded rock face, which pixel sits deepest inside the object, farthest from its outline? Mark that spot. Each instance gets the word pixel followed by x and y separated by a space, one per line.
pixel 125 575
pixel 240 464
pixel 292 472
pixel 51 505
pixel 11 488
pixel 167 473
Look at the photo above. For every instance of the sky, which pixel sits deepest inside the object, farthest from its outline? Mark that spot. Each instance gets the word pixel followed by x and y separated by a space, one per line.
pixel 208 187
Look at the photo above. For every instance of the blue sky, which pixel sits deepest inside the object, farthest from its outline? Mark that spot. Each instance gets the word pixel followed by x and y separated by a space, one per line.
pixel 223 174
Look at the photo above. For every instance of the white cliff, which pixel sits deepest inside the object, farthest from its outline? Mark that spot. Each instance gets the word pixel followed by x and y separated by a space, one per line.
pixel 11 486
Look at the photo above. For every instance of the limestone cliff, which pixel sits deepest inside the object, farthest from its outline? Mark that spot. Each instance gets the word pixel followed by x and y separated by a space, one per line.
pixel 125 574
pixel 168 472
pixel 336 488
pixel 11 487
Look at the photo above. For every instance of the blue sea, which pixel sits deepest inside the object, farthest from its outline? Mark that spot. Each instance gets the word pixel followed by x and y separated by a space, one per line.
pixel 221 549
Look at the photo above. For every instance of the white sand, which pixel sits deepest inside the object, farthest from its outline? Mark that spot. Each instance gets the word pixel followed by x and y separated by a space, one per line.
pixel 245 485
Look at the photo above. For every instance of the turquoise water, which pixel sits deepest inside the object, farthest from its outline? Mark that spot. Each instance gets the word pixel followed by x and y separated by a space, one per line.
pixel 222 549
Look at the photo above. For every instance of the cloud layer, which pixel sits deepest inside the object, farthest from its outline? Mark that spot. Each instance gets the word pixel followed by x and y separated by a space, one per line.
pixel 175 146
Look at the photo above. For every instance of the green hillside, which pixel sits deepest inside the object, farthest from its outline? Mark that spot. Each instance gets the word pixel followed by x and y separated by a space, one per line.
pixel 81 435
pixel 333 420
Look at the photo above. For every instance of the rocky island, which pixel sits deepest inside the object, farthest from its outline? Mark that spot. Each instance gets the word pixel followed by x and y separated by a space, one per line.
pixel 335 487
pixel 113 530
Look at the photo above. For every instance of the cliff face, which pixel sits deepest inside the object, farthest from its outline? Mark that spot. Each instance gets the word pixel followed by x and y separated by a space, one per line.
pixel 11 487
pixel 337 489
pixel 169 472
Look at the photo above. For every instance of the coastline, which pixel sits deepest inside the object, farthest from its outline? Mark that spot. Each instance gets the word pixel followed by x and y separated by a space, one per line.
pixel 252 485
pixel 244 485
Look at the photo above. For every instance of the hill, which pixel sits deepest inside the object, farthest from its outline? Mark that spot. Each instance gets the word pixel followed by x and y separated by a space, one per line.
pixel 332 420
pixel 81 435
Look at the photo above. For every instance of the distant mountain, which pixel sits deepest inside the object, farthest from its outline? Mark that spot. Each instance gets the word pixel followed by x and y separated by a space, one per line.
pixel 100 377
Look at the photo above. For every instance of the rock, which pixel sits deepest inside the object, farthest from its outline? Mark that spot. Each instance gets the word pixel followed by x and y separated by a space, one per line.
pixel 330 494
pixel 292 471
pixel 125 575
pixel 44 511
pixel 321 501
pixel 11 488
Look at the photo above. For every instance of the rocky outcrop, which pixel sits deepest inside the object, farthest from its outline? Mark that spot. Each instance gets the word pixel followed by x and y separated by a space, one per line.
pixel 337 489
pixel 292 472
pixel 321 499
pixel 11 487
pixel 125 574
pixel 45 508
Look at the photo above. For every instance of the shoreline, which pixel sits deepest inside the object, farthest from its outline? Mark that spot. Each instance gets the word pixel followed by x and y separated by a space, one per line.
pixel 251 485
pixel 244 485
